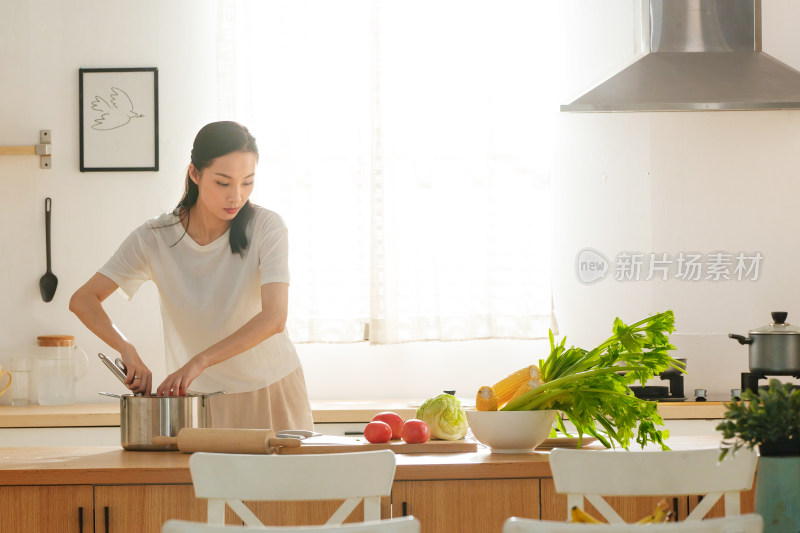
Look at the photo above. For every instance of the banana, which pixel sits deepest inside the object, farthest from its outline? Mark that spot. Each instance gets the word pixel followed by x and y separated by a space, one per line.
pixel 660 514
pixel 579 515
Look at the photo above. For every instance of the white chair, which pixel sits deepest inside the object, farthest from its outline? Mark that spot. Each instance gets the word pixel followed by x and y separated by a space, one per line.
pixel 594 474
pixel 746 523
pixel 406 524
pixel 229 479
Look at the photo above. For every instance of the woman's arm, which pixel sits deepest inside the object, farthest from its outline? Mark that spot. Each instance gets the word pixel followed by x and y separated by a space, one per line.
pixel 87 304
pixel 265 324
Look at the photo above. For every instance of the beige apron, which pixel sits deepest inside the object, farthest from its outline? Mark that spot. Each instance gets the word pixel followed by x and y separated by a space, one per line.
pixel 282 405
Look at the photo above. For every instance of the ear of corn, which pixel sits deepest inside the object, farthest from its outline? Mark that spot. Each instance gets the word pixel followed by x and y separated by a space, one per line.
pixel 486 399
pixel 525 387
pixel 508 386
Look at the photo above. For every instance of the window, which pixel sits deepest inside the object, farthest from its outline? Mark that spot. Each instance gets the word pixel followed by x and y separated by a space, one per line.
pixel 408 146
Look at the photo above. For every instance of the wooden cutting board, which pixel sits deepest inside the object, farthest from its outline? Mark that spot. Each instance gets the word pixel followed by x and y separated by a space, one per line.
pixel 335 444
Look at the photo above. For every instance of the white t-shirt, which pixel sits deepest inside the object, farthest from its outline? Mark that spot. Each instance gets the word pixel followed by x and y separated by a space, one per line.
pixel 208 292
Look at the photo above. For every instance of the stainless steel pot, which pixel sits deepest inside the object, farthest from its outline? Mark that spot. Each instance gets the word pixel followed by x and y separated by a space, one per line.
pixel 145 417
pixel 775 348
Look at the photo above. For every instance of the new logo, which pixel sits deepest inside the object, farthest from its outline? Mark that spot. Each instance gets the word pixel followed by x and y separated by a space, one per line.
pixel 591 266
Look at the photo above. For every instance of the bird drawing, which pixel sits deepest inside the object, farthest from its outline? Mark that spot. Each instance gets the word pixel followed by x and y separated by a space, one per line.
pixel 116 114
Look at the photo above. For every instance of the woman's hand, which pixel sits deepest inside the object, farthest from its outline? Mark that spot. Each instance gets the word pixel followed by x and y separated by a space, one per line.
pixel 87 304
pixel 138 377
pixel 177 383
pixel 268 322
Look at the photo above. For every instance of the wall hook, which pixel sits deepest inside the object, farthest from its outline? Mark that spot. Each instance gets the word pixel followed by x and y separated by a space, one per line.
pixel 43 150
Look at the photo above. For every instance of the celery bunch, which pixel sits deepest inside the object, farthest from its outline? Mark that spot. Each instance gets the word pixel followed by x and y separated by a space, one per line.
pixel 591 387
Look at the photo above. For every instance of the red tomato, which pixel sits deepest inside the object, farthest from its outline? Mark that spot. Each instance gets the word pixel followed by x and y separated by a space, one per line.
pixel 416 431
pixel 377 432
pixel 394 420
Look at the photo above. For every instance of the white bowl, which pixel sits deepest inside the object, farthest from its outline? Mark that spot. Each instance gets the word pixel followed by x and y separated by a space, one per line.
pixel 511 431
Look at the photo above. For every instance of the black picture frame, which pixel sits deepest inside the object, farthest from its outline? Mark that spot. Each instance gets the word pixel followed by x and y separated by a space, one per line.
pixel 118 119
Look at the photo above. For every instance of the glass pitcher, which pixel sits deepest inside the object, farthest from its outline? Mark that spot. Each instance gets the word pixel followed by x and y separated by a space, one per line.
pixel 59 364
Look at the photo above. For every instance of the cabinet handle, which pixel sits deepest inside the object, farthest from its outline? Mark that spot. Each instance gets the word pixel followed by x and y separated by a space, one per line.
pixel 80 519
pixel 105 512
pixel 405 509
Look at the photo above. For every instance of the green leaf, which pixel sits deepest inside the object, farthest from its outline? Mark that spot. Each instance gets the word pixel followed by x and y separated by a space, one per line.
pixel 591 387
pixel 770 415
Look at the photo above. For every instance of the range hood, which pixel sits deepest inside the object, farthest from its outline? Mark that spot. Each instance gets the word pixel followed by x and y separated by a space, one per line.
pixel 696 55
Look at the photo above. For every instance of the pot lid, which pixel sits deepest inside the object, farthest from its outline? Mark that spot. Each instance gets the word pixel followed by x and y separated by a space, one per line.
pixel 779 326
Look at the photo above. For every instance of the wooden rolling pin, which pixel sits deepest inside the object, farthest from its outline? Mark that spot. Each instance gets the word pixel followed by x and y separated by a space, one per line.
pixel 218 440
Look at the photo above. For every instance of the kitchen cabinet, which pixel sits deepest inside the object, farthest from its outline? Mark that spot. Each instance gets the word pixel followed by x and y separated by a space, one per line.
pixel 137 509
pixel 465 506
pixel 302 513
pixel 747 503
pixel 65 508
pixel 143 508
pixel 631 509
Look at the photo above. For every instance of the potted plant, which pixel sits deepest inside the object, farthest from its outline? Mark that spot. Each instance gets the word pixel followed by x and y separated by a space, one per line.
pixel 769 419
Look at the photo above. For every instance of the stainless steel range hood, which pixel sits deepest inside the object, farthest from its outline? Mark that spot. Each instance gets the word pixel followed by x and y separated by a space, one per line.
pixel 698 55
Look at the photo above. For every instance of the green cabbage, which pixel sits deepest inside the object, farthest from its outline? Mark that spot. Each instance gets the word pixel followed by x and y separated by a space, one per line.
pixel 445 417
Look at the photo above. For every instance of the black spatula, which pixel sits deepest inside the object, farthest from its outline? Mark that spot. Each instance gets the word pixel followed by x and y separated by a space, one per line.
pixel 48 282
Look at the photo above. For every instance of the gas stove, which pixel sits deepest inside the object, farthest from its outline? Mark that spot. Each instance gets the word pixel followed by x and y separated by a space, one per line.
pixel 751 381
pixel 672 392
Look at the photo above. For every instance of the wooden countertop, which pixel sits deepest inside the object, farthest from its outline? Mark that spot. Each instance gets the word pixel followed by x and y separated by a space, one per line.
pixel 109 465
pixel 107 414
pixel 78 415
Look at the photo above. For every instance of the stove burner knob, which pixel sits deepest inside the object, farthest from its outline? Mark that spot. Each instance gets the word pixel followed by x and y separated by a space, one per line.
pixel 699 395
pixel 735 394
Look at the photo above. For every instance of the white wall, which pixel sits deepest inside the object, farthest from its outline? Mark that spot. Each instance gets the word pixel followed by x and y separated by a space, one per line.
pixel 665 182
pixel 44 43
pixel 676 182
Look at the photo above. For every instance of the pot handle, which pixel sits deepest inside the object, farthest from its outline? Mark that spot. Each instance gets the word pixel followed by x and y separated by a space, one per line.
pixel 120 374
pixel 742 339
pixel 204 394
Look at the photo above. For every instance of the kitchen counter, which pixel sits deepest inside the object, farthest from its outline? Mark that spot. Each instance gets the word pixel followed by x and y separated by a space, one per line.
pixel 78 415
pixel 107 414
pixel 60 488
pixel 112 465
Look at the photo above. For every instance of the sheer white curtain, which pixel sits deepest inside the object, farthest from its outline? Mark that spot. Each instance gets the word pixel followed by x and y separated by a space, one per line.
pixel 408 146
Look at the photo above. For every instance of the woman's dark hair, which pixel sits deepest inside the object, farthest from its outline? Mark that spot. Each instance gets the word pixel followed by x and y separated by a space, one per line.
pixel 212 141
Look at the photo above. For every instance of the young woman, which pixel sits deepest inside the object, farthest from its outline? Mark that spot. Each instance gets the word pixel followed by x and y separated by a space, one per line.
pixel 220 265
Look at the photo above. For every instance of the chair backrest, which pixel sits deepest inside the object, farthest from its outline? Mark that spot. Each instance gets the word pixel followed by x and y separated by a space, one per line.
pixel 228 479
pixel 746 523
pixel 593 474
pixel 406 524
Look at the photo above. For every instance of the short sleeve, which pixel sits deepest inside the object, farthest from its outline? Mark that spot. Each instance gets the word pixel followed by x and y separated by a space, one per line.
pixel 129 267
pixel 272 238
